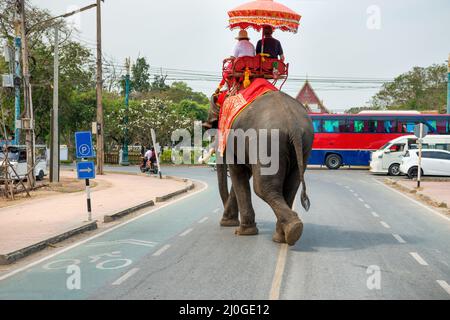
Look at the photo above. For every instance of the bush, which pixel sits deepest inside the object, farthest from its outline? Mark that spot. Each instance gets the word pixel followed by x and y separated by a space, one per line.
pixel 166 156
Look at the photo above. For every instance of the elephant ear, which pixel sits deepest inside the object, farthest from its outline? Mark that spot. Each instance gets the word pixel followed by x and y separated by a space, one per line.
pixel 305 201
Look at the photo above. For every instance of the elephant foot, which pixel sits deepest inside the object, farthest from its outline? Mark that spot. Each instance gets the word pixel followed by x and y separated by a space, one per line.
pixel 293 231
pixel 229 222
pixel 278 237
pixel 247 230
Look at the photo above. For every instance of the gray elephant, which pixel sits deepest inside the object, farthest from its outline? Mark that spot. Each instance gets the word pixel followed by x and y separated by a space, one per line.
pixel 274 110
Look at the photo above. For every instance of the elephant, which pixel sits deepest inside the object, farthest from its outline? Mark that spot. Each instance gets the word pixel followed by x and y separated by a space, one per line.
pixel 273 110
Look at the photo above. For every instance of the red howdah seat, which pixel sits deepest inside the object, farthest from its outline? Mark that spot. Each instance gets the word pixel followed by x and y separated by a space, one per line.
pixel 258 66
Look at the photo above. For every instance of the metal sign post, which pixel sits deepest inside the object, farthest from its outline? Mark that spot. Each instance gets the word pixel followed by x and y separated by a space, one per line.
pixel 85 168
pixel 420 132
pixel 156 152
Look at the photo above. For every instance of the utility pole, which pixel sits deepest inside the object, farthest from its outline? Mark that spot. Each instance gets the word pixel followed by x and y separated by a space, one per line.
pixel 54 148
pixel 100 133
pixel 17 81
pixel 448 86
pixel 125 160
pixel 28 119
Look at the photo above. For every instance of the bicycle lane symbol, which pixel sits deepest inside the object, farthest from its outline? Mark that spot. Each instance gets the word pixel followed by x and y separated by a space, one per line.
pixel 103 261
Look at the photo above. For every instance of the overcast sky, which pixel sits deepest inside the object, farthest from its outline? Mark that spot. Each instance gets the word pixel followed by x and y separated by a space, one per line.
pixel 337 38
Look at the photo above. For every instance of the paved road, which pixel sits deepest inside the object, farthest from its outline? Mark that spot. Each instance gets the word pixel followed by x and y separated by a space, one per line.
pixel 357 231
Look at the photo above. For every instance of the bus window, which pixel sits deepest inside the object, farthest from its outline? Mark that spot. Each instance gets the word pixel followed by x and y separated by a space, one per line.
pixel 380 126
pixel 330 126
pixel 316 124
pixel 431 124
pixel 371 126
pixel 407 127
pixel 443 146
pixel 441 127
pixel 358 126
pixel 390 126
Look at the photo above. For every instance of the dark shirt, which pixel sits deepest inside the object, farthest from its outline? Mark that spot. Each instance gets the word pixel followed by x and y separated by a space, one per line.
pixel 271 46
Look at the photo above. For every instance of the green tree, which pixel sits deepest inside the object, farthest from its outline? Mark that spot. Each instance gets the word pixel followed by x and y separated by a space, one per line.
pixel 192 109
pixel 140 75
pixel 419 89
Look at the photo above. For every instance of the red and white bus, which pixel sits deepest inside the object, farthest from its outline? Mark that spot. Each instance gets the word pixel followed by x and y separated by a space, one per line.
pixel 344 139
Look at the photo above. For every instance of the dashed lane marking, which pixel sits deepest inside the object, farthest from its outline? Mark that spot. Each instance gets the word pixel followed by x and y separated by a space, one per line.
pixel 123 278
pixel 367 206
pixel 399 239
pixel 444 285
pixel 203 220
pixel 418 258
pixel 216 210
pixel 384 224
pixel 186 232
pixel 161 251
pixel 375 214
pixel 360 199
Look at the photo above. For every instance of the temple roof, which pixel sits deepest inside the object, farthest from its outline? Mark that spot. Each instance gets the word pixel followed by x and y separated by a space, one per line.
pixel 307 96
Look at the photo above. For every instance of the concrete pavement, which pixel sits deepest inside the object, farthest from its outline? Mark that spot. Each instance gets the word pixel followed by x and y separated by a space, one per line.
pixel 357 229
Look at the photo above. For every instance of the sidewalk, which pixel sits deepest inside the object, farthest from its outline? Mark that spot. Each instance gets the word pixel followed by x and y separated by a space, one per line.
pixel 37 220
pixel 436 192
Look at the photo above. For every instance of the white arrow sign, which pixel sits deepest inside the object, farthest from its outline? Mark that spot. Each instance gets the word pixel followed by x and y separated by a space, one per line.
pixel 88 170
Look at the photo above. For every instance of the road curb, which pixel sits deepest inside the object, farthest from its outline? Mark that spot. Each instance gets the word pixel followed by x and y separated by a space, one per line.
pixel 418 194
pixel 176 193
pixel 22 253
pixel 123 213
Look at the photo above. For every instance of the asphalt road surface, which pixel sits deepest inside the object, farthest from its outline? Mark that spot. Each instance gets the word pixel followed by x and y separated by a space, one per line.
pixel 361 240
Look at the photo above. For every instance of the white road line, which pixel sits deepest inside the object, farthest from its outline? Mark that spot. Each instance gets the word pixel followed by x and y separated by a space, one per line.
pixel 347 187
pixel 375 214
pixel 356 195
pixel 186 232
pixel 351 190
pixel 160 251
pixel 367 206
pixel 216 210
pixel 360 199
pixel 123 278
pixel 203 220
pixel 384 224
pixel 205 186
pixel 279 270
pixel 399 239
pixel 418 258
pixel 415 201
pixel 444 285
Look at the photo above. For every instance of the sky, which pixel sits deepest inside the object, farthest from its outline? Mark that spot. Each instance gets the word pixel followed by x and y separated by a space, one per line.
pixel 337 38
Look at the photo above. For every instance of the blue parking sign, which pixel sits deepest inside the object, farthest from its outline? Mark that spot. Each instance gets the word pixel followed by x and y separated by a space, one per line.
pixel 83 144
pixel 86 170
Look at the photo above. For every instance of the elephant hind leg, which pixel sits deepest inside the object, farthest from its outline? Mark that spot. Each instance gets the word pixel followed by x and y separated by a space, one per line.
pixel 289 227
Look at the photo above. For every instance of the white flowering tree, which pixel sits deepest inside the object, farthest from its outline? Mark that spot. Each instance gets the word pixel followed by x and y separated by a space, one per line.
pixel 142 117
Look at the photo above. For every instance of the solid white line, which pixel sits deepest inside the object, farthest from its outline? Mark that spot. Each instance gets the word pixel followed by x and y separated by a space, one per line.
pixel 418 258
pixel 375 214
pixel 367 206
pixel 186 232
pixel 160 251
pixel 399 239
pixel 125 277
pixel 444 285
pixel 205 186
pixel 203 220
pixel 384 224
pixel 415 201
pixel 279 270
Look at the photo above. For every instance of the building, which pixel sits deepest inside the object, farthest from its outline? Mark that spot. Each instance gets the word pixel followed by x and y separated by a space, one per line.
pixel 308 97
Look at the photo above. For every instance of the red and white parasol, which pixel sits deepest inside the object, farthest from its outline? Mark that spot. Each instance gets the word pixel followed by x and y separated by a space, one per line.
pixel 260 13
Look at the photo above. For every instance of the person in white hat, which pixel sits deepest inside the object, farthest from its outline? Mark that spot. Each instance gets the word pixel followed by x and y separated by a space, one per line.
pixel 244 48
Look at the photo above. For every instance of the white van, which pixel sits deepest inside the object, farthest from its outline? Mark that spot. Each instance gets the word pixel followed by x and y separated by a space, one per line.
pixel 387 159
pixel 17 156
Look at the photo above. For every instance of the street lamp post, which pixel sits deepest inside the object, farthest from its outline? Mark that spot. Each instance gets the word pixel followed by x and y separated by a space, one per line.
pixel 125 160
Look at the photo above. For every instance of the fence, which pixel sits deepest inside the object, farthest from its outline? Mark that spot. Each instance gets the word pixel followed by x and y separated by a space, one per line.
pixel 113 158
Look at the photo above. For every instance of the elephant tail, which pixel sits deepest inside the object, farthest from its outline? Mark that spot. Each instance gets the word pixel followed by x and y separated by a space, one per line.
pixel 298 145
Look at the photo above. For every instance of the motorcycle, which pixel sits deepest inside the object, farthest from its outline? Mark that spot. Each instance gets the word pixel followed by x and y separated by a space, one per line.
pixel 149 167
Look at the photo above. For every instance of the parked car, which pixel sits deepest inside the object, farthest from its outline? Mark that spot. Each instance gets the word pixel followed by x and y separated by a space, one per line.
pixel 387 159
pixel 434 163
pixel 17 157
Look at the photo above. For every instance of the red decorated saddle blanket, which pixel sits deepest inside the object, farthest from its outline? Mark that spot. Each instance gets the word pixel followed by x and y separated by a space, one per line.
pixel 234 105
